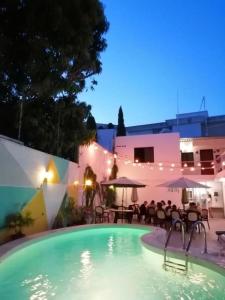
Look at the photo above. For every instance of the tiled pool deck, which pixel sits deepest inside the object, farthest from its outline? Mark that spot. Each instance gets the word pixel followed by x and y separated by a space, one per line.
pixel 157 240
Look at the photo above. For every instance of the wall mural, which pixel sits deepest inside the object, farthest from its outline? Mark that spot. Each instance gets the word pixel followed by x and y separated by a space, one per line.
pixel 24 189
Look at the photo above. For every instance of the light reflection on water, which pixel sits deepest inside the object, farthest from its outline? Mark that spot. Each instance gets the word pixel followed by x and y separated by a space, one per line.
pixel 107 263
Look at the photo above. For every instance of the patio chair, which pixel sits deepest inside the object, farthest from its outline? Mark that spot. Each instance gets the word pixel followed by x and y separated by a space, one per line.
pixel 161 218
pixel 101 214
pixel 151 215
pixel 205 216
pixel 192 217
pixel 175 215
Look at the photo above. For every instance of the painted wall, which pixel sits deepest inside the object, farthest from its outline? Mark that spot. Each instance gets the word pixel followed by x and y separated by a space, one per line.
pixel 166 151
pixel 24 189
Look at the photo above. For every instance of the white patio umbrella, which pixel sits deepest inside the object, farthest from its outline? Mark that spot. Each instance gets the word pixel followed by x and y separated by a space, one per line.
pixel 134 195
pixel 183 183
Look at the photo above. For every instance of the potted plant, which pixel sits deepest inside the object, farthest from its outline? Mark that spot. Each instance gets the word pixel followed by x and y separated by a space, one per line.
pixel 16 222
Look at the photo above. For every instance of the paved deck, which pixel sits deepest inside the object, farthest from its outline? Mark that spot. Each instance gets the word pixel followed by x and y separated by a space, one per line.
pixel 216 252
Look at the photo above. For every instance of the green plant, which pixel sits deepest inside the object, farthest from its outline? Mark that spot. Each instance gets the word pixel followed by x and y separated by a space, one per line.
pixel 17 221
pixel 90 189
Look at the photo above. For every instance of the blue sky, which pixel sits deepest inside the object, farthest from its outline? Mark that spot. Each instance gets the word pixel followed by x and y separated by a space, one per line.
pixel 158 51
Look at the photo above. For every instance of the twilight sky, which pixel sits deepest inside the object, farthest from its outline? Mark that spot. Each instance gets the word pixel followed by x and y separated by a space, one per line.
pixel 159 51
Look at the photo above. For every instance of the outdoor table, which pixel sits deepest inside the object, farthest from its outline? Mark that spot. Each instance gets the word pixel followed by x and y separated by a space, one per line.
pixel 121 211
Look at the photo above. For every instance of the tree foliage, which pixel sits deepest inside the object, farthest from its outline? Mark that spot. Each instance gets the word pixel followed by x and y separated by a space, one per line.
pixel 111 192
pixel 90 190
pixel 121 130
pixel 48 50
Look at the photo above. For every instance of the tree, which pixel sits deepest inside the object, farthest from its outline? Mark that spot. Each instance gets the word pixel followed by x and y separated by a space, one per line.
pixel 91 126
pixel 48 49
pixel 121 130
pixel 110 126
pixel 110 191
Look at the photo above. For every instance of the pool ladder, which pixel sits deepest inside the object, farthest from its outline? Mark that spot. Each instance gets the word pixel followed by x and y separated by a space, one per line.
pixel 179 266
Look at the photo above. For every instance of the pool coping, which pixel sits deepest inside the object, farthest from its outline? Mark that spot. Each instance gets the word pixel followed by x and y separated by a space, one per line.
pixel 154 240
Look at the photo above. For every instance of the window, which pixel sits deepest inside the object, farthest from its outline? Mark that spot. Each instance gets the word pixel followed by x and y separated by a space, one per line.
pixel 144 155
pixel 206 158
pixel 187 158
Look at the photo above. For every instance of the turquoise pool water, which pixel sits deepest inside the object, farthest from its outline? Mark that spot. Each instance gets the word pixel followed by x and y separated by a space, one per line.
pixel 101 263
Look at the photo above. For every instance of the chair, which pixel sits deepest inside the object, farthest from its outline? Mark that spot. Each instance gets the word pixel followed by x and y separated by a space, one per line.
pixel 101 214
pixel 161 217
pixel 176 215
pixel 151 215
pixel 192 217
pixel 205 216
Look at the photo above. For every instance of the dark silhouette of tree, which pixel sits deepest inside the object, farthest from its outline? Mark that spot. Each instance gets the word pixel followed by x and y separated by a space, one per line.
pixel 110 126
pixel 92 126
pixel 121 130
pixel 47 51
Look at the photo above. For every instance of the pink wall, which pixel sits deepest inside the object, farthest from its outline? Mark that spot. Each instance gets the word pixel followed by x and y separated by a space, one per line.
pixel 99 159
pixel 166 151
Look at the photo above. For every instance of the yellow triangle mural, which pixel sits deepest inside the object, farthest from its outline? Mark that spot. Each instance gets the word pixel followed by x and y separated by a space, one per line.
pixel 36 207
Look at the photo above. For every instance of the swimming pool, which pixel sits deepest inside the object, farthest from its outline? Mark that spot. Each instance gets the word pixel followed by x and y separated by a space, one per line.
pixel 100 263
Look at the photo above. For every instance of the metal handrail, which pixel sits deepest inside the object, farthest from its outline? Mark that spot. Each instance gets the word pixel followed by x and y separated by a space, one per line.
pixel 170 233
pixel 192 233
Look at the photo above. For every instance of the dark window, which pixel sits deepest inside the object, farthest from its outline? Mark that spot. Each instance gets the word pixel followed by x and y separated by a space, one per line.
pixel 206 158
pixel 187 158
pixel 144 155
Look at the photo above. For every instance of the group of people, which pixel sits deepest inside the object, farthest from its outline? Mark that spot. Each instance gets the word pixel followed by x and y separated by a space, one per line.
pixel 145 211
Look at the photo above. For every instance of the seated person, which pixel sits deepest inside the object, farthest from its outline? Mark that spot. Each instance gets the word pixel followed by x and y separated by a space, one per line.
pixel 168 209
pixel 143 211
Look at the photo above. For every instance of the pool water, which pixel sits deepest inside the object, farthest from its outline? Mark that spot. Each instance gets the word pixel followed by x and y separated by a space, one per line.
pixel 101 263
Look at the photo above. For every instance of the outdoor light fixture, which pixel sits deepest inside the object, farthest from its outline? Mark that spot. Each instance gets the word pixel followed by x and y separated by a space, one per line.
pixel 109 161
pixel 76 182
pixel 223 163
pixel 192 169
pixel 172 165
pixel 45 175
pixel 105 151
pixel 115 155
pixel 136 160
pixel 161 168
pixel 88 182
pixel 160 164
pixel 109 171
pixel 185 165
pixel 199 164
